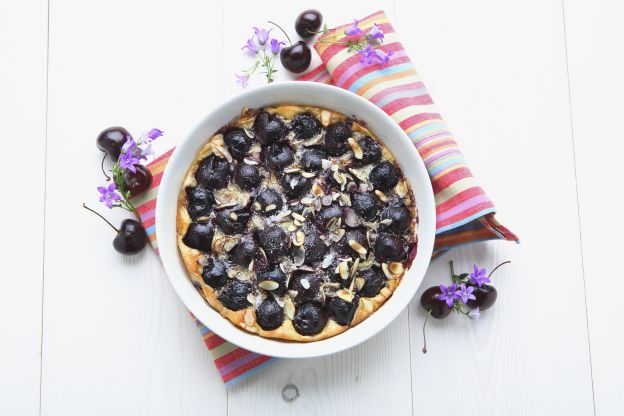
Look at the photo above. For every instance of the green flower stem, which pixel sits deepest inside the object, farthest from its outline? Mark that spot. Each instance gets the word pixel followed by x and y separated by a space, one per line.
pixel 125 195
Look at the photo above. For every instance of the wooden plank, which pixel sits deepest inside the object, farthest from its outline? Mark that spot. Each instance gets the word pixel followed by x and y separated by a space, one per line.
pixel 23 47
pixel 373 378
pixel 117 340
pixel 498 72
pixel 594 34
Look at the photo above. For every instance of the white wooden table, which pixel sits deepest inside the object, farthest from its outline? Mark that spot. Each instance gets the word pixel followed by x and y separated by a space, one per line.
pixel 533 91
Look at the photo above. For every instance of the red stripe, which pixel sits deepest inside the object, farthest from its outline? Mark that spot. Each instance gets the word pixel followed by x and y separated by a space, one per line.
pixel 156 179
pixel 351 60
pixel 147 206
pixel 458 199
pixel 213 341
pixel 450 178
pixel 235 354
pixel 465 214
pixel 371 68
pixel 401 103
pixel 244 368
pixel 426 150
pixel 312 73
pixel 418 118
pixel 398 88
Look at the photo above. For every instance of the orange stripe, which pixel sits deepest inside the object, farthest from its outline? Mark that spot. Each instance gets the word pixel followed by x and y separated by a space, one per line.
pixel 384 78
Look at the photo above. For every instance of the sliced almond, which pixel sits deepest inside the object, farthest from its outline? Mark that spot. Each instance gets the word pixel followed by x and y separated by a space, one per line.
pixel 354 267
pixel 251 264
pixel 261 250
pixel 297 238
pixel 270 207
pixel 291 227
pixel 359 282
pixel 386 270
pixel 289 308
pixel 233 216
pixel 299 256
pixel 339 178
pixel 395 268
pixel 346 199
pixel 291 170
pixel 381 195
pixel 343 270
pixel 305 283
pixel 297 223
pixel 257 206
pixel 337 235
pixel 326 164
pixel 317 190
pixel 250 161
pixel 251 298
pixel 308 174
pixel 355 146
pixel 368 305
pixel 268 285
pixel 325 118
pixel 385 222
pixel 345 295
pixel 298 217
pixel 358 248
pixel 307 201
pixel 231 273
pixel 250 317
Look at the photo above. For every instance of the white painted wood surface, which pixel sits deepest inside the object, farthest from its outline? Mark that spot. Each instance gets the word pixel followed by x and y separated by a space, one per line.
pixel 530 89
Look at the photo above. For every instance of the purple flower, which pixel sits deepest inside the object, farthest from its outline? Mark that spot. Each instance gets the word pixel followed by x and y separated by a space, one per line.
pixel 251 46
pixel 367 55
pixel 354 30
pixel 478 277
pixel 262 35
pixel 475 313
pixel 130 155
pixel 382 56
pixel 153 134
pixel 449 294
pixel 242 79
pixel 375 32
pixel 465 293
pixel 108 195
pixel 276 45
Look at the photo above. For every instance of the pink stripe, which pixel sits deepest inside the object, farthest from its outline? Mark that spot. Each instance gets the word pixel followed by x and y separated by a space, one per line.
pixel 237 363
pixel 410 86
pixel 357 67
pixel 426 139
pixel 464 206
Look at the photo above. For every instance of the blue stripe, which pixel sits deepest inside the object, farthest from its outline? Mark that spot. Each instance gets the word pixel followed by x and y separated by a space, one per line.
pixel 248 373
pixel 448 162
pixel 415 92
pixel 151 229
pixel 428 127
pixel 379 73
pixel 466 220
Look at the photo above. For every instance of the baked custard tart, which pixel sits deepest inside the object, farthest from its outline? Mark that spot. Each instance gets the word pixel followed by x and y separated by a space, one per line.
pixel 296 222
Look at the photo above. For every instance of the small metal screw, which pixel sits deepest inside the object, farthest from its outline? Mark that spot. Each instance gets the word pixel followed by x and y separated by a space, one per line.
pixel 290 393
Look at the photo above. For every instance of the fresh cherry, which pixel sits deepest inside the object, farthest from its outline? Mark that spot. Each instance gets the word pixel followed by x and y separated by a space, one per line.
pixel 438 309
pixel 296 58
pixel 111 140
pixel 269 314
pixel 137 182
pixel 340 310
pixel 485 297
pixel 310 318
pixel 131 237
pixel 234 294
pixel 384 176
pixel 308 23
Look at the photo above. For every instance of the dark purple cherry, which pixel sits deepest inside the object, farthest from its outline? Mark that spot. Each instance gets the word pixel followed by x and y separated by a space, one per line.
pixel 296 58
pixel 295 185
pixel 232 221
pixel 276 275
pixel 214 273
pixel 131 236
pixel 268 198
pixel 371 151
pixel 485 297
pixel 384 176
pixel 310 318
pixel 269 314
pixel 356 234
pixel 336 138
pixel 199 236
pixel 213 172
pixel 137 182
pixel 306 284
pixel 308 23
pixel 312 160
pixel 243 252
pixel 273 241
pixel 237 142
pixel 373 282
pixel 365 204
pixel 326 214
pixel 306 126
pixel 247 176
pixel 315 247
pixel 279 155
pixel 340 310
pixel 389 247
pixel 269 128
pixel 199 201
pixel 111 140
pixel 399 217
pixel 429 301
pixel 234 294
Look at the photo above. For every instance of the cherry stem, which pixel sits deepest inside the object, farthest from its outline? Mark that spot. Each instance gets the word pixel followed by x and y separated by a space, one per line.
pixel 505 262
pixel 452 268
pixel 283 31
pixel 99 215
pixel 424 348
pixel 102 166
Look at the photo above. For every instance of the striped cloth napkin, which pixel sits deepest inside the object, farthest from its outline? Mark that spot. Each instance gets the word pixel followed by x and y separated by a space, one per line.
pixel 464 212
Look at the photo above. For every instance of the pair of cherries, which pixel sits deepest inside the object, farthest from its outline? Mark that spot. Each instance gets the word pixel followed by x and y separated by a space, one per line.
pixel 131 237
pixel 297 57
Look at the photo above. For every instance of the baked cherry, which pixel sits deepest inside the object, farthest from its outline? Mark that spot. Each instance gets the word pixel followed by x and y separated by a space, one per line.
pixel 131 236
pixel 384 176
pixel 111 140
pixel 213 172
pixel 232 221
pixel 279 155
pixel 371 151
pixel 269 314
pixel 199 201
pixel 340 310
pixel 485 297
pixel 437 308
pixel 234 294
pixel 137 182
pixel 315 248
pixel 389 247
pixel 247 176
pixel 399 217
pixel 306 126
pixel 214 273
pixel 273 241
pixel 373 282
pixel 237 142
pixel 269 202
pixel 326 214
pixel 308 23
pixel 295 185
pixel 312 160
pixel 310 318
pixel 296 57
pixel 269 128
pixel 358 235
pixel 276 275
pixel 336 138
pixel 199 236
pixel 306 284
pixel 365 204
pixel 243 252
